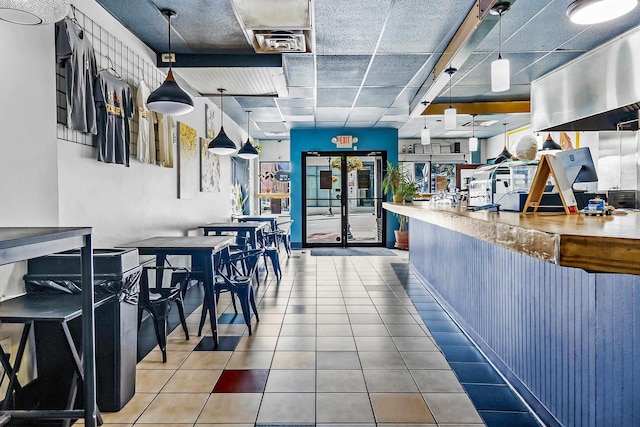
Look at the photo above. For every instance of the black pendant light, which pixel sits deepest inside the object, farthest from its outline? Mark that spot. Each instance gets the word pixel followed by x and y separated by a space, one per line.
pixel 549 144
pixel 221 144
pixel 505 154
pixel 169 98
pixel 248 151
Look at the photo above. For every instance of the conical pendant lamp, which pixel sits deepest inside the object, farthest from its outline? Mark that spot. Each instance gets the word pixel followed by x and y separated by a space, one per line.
pixel 549 144
pixel 505 154
pixel 221 144
pixel 169 98
pixel 248 151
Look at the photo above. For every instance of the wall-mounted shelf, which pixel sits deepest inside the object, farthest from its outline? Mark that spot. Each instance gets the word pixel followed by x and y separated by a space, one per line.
pixel 417 157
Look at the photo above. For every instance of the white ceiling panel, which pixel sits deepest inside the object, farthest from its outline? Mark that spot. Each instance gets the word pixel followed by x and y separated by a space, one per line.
pixel 236 81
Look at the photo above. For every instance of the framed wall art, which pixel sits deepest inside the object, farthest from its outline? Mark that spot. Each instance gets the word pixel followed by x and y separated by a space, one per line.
pixel 208 121
pixel 209 169
pixel 187 162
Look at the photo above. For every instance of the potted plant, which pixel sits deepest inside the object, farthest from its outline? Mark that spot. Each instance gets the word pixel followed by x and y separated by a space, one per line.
pixel 392 181
pixel 401 234
pixel 408 189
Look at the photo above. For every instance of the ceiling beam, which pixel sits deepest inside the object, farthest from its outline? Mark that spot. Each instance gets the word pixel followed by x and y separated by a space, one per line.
pixel 475 27
pixel 480 108
pixel 223 60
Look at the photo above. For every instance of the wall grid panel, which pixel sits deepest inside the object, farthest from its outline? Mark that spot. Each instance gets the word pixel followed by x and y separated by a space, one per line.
pixel 567 340
pixel 110 52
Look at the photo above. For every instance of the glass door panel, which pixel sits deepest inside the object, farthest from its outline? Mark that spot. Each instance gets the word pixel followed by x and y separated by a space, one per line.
pixel 323 201
pixel 343 199
pixel 364 199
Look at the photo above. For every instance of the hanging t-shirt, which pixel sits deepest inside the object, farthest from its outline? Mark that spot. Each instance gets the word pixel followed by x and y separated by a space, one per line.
pixel 146 118
pixel 166 126
pixel 75 52
pixel 114 103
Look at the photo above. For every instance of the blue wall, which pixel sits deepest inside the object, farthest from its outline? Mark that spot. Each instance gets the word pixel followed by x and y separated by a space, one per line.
pixel 303 140
pixel 567 340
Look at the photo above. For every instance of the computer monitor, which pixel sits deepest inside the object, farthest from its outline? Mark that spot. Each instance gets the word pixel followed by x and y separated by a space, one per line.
pixel 578 165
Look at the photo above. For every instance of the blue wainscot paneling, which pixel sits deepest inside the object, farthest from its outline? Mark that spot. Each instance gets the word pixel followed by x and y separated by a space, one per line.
pixel 567 340
pixel 303 140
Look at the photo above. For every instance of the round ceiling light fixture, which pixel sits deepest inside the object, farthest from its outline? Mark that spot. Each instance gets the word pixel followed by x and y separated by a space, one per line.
pixel 587 12
pixel 33 12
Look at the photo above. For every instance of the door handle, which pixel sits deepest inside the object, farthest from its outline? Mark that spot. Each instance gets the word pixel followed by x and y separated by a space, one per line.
pixel 344 210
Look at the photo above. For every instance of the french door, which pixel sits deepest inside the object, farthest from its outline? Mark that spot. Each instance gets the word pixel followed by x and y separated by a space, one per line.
pixel 342 196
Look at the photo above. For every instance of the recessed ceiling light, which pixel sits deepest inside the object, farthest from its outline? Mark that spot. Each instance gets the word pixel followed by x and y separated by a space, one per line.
pixel 488 123
pixel 586 12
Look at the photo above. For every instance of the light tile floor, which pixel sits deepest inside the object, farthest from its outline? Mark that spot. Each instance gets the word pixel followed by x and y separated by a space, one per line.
pixel 339 343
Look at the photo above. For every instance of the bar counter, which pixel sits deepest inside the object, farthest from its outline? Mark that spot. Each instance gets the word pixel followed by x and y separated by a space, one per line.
pixel 605 244
pixel 553 301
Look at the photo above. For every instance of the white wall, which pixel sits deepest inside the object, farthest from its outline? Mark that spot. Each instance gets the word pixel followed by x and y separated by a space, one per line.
pixel 50 182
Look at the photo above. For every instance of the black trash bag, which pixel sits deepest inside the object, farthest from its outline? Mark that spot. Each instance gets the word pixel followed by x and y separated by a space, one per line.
pixel 125 285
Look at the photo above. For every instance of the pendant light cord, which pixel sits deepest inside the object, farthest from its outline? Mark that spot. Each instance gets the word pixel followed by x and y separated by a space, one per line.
pixel 221 108
pixel 170 61
pixel 248 123
pixel 500 36
pixel 473 125
pixel 450 79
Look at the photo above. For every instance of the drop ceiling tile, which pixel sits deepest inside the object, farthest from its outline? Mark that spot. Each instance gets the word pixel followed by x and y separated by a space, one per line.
pixel 377 97
pixel 340 27
pixel 330 124
pixel 422 26
pixel 266 115
pixel 332 114
pixel 271 127
pixel 394 70
pixel 297 111
pixel 300 118
pixel 368 114
pixel 341 70
pixel 255 102
pixel 298 69
pixel 301 92
pixel 295 102
pixel 336 97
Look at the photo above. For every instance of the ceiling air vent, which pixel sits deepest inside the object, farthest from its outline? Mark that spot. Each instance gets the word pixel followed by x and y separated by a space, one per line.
pixel 280 41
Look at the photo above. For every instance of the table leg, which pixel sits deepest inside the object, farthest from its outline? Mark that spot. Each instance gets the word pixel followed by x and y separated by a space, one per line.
pixel 205 263
pixel 161 257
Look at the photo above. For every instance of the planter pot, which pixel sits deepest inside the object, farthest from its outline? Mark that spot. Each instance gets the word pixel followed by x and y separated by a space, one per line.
pixel 408 199
pixel 397 198
pixel 402 239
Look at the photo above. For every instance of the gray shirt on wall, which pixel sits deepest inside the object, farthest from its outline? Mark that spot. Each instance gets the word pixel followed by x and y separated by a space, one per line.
pixel 74 50
pixel 114 103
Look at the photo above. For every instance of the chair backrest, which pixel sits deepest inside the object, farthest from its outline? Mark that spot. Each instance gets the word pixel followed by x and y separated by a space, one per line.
pixel 285 226
pixel 250 258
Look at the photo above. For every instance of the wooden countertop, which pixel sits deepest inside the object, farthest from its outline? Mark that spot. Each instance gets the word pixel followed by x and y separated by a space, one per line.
pixel 608 244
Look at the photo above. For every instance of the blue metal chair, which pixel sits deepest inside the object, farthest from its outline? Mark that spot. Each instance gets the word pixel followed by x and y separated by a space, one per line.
pixel 157 302
pixel 235 275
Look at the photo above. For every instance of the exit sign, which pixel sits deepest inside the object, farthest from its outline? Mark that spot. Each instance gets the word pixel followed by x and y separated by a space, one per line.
pixel 344 141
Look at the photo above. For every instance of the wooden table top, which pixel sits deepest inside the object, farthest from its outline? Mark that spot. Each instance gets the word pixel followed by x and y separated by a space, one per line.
pixel 594 243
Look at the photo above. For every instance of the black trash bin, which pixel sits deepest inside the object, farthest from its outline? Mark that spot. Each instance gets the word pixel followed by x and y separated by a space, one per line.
pixel 116 286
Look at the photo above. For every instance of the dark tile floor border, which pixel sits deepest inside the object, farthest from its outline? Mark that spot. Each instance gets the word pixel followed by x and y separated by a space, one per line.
pixel 496 402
